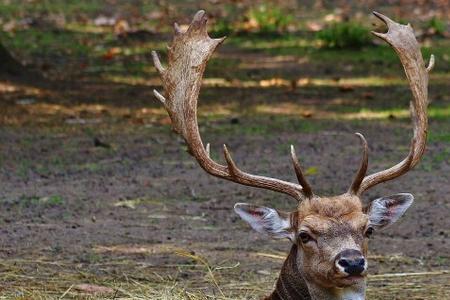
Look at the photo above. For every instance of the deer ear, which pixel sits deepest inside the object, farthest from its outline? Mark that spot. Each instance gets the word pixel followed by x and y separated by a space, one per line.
pixel 387 210
pixel 266 220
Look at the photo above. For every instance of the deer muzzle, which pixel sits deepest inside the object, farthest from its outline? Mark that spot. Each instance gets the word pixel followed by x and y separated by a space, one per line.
pixel 350 262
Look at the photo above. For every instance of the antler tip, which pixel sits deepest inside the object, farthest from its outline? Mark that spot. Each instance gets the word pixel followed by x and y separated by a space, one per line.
pixel 220 40
pixel 431 63
pixel 199 15
pixel 355 188
pixel 232 168
pixel 177 28
pixel 200 18
pixel 208 149
pixel 198 24
pixel 379 34
pixel 159 67
pixel 227 154
pixel 383 18
pixel 159 96
pixel 361 136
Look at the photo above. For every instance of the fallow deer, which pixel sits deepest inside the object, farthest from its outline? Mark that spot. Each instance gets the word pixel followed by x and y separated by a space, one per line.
pixel 328 258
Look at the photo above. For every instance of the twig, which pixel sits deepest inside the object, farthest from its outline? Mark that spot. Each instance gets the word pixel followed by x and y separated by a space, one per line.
pixel 270 255
pixel 66 292
pixel 442 272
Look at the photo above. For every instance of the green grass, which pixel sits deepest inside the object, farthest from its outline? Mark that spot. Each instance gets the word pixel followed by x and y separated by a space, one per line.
pixel 344 35
pixel 440 136
pixel 379 57
pixel 33 42
pixel 47 201
pixel 437 25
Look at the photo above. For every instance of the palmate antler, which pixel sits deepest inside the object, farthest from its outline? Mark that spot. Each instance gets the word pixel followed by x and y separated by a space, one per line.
pixel 402 40
pixel 188 56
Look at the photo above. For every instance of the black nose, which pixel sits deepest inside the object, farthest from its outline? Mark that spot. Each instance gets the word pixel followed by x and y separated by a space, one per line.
pixel 351 261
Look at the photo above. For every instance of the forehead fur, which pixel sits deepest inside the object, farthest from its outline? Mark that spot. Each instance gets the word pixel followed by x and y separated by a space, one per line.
pixel 331 207
pixel 342 213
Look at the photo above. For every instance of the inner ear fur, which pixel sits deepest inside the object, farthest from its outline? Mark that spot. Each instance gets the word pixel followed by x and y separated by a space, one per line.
pixel 387 210
pixel 266 220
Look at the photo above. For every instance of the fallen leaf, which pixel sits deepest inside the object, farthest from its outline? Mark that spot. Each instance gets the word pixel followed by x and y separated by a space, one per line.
pixel 111 53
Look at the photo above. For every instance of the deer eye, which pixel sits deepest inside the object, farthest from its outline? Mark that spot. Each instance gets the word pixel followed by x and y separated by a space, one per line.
pixel 305 237
pixel 369 232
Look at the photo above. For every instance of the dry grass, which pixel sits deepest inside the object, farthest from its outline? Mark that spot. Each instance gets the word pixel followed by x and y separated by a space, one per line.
pixel 40 279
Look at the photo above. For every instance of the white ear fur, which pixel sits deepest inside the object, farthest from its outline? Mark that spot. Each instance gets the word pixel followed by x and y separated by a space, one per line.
pixel 266 220
pixel 387 210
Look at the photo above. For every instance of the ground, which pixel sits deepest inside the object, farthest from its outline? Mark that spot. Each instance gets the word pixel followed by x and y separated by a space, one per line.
pixel 96 189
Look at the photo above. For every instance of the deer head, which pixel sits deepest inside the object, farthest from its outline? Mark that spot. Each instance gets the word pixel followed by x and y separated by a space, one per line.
pixel 329 234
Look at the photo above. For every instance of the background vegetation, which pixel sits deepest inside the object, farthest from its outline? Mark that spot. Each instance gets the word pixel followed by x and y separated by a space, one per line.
pixel 98 199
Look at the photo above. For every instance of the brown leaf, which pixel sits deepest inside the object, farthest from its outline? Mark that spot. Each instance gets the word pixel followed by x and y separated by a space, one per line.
pixel 111 53
pixel 306 114
pixel 346 88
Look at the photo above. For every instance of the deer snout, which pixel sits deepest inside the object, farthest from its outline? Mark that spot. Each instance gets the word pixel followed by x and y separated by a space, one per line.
pixel 350 262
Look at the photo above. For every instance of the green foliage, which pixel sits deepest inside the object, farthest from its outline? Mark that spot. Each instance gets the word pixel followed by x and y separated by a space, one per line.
pixel 437 26
pixel 222 27
pixel 344 35
pixel 270 19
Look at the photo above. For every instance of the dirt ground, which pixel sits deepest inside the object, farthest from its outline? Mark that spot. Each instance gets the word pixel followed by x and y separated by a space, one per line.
pixel 96 189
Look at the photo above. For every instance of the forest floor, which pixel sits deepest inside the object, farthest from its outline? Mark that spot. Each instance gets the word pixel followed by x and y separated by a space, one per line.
pixel 99 198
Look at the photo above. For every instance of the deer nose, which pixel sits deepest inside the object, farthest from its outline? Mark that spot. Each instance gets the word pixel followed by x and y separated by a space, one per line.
pixel 351 262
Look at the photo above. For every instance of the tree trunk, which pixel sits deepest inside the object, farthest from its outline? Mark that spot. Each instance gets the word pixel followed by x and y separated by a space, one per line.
pixel 9 65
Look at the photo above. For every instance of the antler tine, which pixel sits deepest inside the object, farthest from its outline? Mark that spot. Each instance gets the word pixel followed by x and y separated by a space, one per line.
pixel 362 167
pixel 430 64
pixel 399 169
pixel 188 55
pixel 307 190
pixel 176 28
pixel 401 38
pixel 157 63
pixel 232 168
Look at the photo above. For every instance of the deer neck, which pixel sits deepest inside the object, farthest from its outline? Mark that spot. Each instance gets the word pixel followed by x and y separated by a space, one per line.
pixel 292 284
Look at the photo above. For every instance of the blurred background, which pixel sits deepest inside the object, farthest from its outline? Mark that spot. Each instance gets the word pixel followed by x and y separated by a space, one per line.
pixel 98 197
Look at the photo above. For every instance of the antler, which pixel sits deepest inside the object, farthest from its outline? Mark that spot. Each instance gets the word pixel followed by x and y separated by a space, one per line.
pixel 188 56
pixel 402 40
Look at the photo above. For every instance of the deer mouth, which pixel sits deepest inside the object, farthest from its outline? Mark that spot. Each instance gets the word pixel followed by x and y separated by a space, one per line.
pixel 350 280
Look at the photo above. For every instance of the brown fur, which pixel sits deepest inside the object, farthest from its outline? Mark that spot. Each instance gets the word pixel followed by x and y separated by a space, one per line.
pixel 337 223
pixel 290 284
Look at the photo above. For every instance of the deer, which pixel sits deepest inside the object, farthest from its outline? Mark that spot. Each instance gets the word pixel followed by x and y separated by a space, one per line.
pixel 329 234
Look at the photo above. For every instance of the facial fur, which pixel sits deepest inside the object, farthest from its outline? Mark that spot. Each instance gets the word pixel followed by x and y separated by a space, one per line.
pixel 333 226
